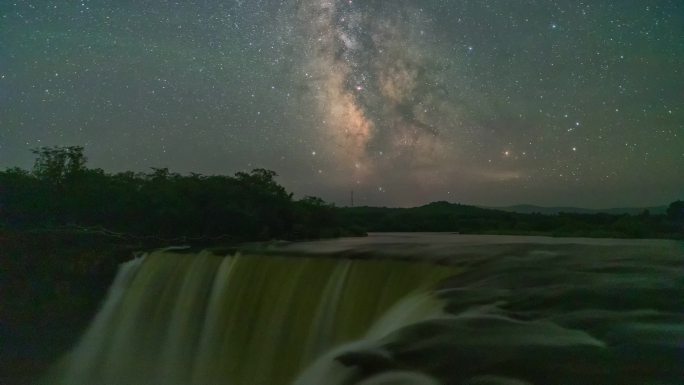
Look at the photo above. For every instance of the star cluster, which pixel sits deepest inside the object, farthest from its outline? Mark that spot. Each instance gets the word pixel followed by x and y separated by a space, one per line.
pixel 405 102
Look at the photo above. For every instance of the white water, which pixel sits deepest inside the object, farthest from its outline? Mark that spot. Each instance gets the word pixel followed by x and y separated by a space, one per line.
pixel 183 319
pixel 519 311
pixel 410 310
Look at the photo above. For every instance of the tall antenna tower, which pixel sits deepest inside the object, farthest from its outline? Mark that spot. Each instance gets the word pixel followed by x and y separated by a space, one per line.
pixel 352 198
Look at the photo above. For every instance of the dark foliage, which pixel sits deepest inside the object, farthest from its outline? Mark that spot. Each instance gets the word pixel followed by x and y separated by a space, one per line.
pixel 61 191
pixel 676 211
pixel 52 283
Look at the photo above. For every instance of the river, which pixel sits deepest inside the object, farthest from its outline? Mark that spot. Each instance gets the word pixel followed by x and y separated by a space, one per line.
pixel 392 308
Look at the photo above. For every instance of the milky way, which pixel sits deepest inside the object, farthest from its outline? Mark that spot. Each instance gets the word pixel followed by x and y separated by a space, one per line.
pixel 371 84
pixel 404 102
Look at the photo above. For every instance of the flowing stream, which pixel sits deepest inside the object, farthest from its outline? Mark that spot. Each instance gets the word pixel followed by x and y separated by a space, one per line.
pixel 202 319
pixel 392 309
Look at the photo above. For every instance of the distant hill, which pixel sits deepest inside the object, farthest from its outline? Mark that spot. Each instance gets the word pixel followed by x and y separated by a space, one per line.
pixel 520 220
pixel 530 209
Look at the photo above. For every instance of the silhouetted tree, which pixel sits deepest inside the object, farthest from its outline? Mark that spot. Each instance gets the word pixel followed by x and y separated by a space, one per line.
pixel 675 211
pixel 58 163
pixel 61 190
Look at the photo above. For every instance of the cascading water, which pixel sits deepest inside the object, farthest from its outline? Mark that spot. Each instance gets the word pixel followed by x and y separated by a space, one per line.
pixel 523 311
pixel 183 319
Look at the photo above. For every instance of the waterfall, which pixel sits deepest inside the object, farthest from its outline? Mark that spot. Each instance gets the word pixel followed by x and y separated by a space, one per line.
pixel 198 319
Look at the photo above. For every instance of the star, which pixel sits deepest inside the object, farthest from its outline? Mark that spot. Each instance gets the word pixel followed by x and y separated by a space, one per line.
pixel 372 94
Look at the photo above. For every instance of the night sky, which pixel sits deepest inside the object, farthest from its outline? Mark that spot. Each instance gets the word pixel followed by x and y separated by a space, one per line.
pixel 480 102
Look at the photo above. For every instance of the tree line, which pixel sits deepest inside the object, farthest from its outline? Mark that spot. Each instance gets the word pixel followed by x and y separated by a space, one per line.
pixel 61 191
